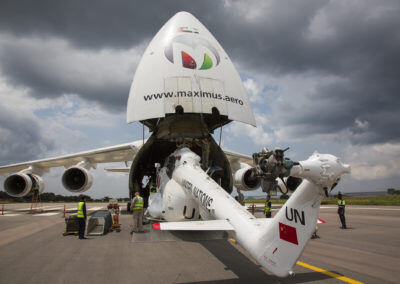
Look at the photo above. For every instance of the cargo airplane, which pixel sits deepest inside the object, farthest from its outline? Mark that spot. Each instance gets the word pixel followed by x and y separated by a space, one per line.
pixel 184 88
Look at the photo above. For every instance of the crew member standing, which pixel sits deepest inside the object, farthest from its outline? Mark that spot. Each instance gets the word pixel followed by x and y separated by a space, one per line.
pixel 205 154
pixel 268 207
pixel 137 207
pixel 36 189
pixel 82 218
pixel 240 197
pixel 341 206
pixel 152 188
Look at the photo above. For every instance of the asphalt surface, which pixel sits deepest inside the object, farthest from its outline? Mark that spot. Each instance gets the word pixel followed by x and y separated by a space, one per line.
pixel 33 250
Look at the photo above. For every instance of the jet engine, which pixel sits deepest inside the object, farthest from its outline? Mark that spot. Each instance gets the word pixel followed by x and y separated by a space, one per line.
pixel 21 184
pixel 77 179
pixel 245 179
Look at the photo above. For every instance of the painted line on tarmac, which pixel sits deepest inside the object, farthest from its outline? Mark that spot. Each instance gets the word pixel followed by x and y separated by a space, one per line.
pixel 52 208
pixel 47 214
pixel 349 207
pixel 329 273
pixel 95 208
pixel 69 209
pixel 323 271
pixel 10 215
pixel 372 208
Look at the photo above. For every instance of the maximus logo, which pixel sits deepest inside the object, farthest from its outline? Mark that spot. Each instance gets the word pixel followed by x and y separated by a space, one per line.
pixel 294 214
pixel 193 42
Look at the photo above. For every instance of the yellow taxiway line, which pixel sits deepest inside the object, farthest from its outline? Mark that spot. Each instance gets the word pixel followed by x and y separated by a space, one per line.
pixel 323 271
pixel 331 274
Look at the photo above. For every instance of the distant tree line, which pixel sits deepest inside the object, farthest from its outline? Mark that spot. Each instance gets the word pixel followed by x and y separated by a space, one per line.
pixel 393 191
pixel 51 197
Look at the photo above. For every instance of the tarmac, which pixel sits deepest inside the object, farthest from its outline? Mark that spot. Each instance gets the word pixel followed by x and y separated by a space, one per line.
pixel 33 250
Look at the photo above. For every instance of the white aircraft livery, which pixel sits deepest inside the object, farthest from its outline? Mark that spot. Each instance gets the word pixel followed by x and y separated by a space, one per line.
pixel 184 88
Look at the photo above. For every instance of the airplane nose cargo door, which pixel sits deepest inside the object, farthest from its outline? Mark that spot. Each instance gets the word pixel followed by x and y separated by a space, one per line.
pixel 185 65
pixel 194 97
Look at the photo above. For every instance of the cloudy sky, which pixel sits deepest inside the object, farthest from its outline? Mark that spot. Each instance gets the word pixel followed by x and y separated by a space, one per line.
pixel 321 75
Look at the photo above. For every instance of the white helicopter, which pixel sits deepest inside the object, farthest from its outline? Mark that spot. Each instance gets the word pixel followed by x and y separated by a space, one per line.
pixel 184 88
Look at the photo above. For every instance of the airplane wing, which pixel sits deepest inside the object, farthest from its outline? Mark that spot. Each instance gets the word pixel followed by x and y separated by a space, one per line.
pixel 117 153
pixel 211 225
pixel 117 170
pixel 235 159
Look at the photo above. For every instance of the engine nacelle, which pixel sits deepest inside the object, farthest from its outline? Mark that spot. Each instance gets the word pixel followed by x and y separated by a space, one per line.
pixel 77 179
pixel 21 184
pixel 244 180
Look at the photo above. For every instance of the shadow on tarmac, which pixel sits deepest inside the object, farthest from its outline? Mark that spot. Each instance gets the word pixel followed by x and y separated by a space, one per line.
pixel 217 244
pixel 246 270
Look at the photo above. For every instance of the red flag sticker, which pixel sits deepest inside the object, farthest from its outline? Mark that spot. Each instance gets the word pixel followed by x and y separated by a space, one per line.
pixel 288 233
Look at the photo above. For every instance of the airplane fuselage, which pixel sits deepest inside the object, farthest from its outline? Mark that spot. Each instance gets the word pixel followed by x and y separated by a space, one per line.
pixel 172 132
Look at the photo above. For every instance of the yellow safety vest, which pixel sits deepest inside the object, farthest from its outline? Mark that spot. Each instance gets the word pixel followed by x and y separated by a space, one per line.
pixel 341 202
pixel 151 188
pixel 139 204
pixel 80 210
pixel 207 147
pixel 267 208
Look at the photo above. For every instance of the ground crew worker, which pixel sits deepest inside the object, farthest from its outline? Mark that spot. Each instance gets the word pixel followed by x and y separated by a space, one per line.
pixel 240 197
pixel 152 188
pixel 82 218
pixel 268 207
pixel 36 190
pixel 314 235
pixel 137 207
pixel 341 206
pixel 205 154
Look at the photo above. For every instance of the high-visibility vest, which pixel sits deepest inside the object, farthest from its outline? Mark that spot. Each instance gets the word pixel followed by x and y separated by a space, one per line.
pixel 80 210
pixel 151 188
pixel 341 202
pixel 207 147
pixel 139 204
pixel 36 187
pixel 267 207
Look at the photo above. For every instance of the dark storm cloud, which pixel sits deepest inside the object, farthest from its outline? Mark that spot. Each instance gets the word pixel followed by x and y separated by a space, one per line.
pixel 48 69
pixel 357 42
pixel 21 137
pixel 52 68
pixel 99 24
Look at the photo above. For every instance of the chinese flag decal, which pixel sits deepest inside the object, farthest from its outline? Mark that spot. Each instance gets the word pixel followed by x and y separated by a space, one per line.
pixel 288 233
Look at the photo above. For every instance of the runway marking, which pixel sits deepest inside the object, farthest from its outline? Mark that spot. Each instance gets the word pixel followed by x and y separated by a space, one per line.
pixel 323 271
pixel 373 208
pixel 331 274
pixel 47 214
pixel 362 208
pixel 95 208
pixel 74 208
pixel 10 215
pixel 52 208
